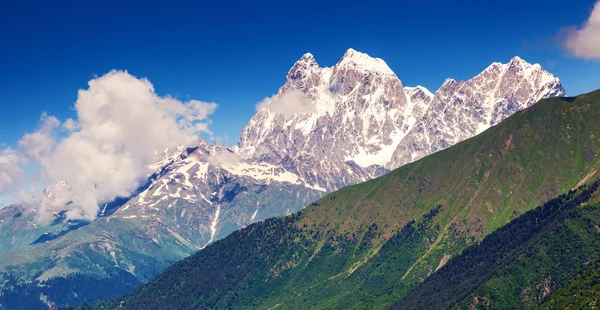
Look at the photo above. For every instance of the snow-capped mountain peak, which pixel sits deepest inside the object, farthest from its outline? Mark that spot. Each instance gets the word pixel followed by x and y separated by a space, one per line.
pixel 308 61
pixel 449 82
pixel 303 69
pixel 308 56
pixel 356 60
pixel 518 60
pixel 418 91
pixel 460 110
pixel 363 113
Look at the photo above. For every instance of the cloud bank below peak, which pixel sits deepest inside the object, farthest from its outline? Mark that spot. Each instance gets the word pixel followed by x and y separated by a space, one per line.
pixel 105 152
pixel 289 103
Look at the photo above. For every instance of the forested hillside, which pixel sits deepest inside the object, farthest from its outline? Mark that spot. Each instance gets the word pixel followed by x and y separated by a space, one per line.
pixel 580 292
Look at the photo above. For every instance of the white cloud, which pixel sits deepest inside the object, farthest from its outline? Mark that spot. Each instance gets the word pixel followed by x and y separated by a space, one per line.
pixel 70 125
pixel 288 103
pixel 10 171
pixel 585 42
pixel 39 144
pixel 220 157
pixel 222 140
pixel 105 153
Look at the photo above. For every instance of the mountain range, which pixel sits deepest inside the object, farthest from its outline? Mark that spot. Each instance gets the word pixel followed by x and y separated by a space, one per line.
pixel 325 129
pixel 358 111
pixel 460 228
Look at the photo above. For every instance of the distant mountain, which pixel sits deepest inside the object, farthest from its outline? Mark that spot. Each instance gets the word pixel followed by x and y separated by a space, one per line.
pixel 326 128
pixel 366 246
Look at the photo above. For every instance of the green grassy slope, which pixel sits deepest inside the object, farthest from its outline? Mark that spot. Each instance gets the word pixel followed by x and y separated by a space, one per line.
pixel 520 264
pixel 365 246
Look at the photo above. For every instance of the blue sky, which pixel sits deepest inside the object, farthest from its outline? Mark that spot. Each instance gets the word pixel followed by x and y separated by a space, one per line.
pixel 236 53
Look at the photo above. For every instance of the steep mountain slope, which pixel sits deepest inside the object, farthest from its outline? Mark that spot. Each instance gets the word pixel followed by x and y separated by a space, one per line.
pixel 522 263
pixel 367 245
pixel 325 129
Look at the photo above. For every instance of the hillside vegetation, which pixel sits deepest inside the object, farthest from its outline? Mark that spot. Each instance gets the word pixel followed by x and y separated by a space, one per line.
pixel 521 264
pixel 580 292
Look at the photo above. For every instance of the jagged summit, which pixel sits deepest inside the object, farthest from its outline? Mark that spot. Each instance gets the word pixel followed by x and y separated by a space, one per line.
pixel 518 60
pixel 447 82
pixel 308 56
pixel 352 59
pixel 308 59
pixel 301 71
pixel 418 91
pixel 362 61
pixel 517 64
pixel 424 89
